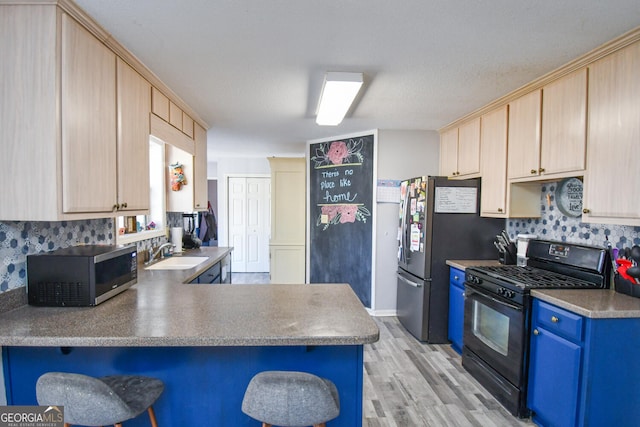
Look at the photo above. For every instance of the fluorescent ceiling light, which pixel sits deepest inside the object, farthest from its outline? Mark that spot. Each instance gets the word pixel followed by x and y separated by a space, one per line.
pixel 338 92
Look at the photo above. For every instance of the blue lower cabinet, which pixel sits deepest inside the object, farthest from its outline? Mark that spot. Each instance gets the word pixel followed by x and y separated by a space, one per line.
pixel 582 370
pixel 204 386
pixel 456 308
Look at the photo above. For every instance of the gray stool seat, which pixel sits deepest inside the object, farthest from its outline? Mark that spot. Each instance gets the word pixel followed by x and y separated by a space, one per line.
pixel 102 401
pixel 291 399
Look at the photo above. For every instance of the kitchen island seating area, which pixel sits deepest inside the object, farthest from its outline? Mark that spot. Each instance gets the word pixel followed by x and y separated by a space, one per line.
pixel 291 399
pixel 204 342
pixel 99 401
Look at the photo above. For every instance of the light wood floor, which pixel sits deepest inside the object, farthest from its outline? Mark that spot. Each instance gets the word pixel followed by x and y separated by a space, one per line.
pixel 408 383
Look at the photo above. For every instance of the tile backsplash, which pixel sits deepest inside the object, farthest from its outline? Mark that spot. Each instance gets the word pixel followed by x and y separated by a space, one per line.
pixel 554 225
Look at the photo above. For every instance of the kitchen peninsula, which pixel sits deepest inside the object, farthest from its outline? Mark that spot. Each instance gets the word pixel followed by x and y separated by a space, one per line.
pixel 204 341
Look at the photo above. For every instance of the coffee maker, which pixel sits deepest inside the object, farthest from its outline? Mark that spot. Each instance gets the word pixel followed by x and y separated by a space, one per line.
pixel 189 238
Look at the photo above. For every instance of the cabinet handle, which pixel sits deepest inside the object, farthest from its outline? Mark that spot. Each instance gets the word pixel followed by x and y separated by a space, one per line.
pixel 455 278
pixel 554 319
pixel 499 209
pixel 536 332
pixel 124 205
pixel 533 171
pixel 585 211
pixel 541 170
pixel 116 207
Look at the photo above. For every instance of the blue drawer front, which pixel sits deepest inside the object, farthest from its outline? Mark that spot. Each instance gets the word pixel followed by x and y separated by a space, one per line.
pixel 557 320
pixel 456 277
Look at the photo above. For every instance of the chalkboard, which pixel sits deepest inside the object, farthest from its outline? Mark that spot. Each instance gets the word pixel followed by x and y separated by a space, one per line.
pixel 340 213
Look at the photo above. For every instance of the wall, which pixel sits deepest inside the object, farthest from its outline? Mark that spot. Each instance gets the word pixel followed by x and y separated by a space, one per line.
pixel 553 225
pixel 401 155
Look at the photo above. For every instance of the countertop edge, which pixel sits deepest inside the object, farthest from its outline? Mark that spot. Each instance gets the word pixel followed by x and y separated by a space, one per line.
pixel 463 264
pixel 186 342
pixel 593 304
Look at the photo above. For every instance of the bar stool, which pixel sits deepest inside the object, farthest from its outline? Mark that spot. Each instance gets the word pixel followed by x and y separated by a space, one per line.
pixel 102 401
pixel 291 399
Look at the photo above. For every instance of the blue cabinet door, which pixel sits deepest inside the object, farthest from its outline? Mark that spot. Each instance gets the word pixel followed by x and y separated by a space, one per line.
pixel 554 379
pixel 456 308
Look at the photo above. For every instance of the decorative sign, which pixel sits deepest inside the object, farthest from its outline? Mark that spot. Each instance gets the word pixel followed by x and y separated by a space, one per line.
pixel 456 199
pixel 569 197
pixel 341 190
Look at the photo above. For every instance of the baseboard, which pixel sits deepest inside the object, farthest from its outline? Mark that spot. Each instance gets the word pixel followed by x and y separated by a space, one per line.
pixel 382 313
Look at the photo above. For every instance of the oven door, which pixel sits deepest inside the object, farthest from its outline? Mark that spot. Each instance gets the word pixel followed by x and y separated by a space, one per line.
pixel 494 329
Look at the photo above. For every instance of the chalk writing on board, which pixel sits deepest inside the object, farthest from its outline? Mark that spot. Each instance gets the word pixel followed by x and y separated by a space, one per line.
pixel 337 162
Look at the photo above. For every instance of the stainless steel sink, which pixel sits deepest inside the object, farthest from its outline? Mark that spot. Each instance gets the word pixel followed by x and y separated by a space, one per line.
pixel 177 263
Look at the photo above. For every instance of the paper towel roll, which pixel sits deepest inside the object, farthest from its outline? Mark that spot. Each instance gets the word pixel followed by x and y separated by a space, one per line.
pixel 176 239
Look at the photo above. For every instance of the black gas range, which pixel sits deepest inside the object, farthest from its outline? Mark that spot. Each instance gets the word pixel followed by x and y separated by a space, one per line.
pixel 497 309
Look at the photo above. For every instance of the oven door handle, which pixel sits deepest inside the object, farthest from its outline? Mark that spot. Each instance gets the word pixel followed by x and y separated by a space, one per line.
pixel 409 282
pixel 469 292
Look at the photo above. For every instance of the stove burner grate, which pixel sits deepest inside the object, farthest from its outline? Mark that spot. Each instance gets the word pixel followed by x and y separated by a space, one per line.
pixel 535 278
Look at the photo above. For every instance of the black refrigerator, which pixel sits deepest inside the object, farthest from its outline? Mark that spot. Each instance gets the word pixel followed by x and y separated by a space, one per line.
pixel 439 220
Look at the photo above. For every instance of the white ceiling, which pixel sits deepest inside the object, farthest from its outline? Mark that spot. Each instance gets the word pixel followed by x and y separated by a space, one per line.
pixel 253 69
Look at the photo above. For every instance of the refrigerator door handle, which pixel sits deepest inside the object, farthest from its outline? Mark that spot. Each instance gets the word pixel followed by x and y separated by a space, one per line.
pixel 409 282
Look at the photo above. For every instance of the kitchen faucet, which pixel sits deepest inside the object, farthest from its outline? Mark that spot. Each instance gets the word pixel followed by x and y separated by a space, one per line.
pixel 159 251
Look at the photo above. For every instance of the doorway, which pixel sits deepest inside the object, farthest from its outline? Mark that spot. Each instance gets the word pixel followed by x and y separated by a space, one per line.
pixel 249 218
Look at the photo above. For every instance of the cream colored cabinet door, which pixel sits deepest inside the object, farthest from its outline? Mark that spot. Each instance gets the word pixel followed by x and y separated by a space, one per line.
pixel 134 105
pixel 449 153
pixel 200 187
pixel 493 195
pixel 288 201
pixel 287 264
pixel 287 260
pixel 611 190
pixel 524 136
pixel 564 125
pixel 469 149
pixel 88 110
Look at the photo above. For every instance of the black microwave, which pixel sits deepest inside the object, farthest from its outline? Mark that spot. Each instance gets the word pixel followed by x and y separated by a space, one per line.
pixel 80 276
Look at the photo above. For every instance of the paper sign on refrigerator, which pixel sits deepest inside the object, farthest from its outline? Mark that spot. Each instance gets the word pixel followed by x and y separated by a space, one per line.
pixel 415 238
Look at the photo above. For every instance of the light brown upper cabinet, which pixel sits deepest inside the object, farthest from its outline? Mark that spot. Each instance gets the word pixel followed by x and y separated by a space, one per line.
pixel 469 149
pixel 564 125
pixel 524 136
pixel 611 190
pixel 159 104
pixel 493 197
pixel 547 130
pixel 460 151
pixel 449 152
pixel 134 102
pixel 88 88
pixel 175 116
pixel 187 125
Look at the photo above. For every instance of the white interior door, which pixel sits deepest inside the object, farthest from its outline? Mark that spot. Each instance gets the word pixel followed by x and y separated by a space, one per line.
pixel 249 223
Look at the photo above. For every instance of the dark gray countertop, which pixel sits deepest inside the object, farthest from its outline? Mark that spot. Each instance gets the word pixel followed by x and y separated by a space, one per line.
pixel 161 310
pixel 596 304
pixel 464 263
